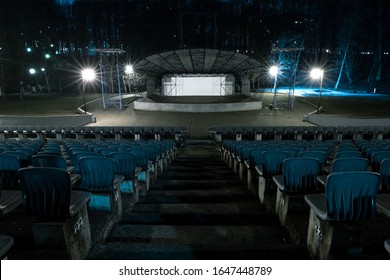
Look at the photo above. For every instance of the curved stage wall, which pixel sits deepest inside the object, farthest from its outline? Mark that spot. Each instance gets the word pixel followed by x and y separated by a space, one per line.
pixel 197 104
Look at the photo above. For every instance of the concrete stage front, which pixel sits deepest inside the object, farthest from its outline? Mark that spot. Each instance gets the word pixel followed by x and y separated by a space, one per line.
pixel 198 104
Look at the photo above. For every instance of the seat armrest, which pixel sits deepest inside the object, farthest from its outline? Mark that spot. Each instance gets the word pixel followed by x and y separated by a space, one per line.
pixel 137 171
pixel 70 168
pixel 279 181
pixel 322 180
pixel 383 203
pixel 6 242
pixel 77 200
pixel 247 164
pixel 259 170
pixel 74 179
pixel 318 204
pixel 10 200
pixel 387 245
pixel 327 169
pixel 118 179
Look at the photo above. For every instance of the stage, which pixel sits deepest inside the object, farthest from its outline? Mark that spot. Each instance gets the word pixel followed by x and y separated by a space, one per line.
pixel 198 104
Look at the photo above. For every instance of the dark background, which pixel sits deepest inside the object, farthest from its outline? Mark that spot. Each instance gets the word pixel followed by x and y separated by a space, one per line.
pixel 347 36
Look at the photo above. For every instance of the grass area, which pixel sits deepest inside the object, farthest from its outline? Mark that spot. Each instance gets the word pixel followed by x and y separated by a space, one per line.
pixel 43 104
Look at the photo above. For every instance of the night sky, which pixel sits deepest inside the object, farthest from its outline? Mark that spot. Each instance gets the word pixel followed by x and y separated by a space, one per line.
pixel 352 35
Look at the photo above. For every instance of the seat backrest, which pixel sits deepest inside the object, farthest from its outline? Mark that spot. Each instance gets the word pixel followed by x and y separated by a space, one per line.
pixel 9 166
pixel 126 163
pixel 349 164
pixel 385 176
pixel 320 155
pixel 377 158
pixel 349 154
pixel 300 174
pixel 256 156
pixel 351 196
pixel 48 160
pixel 273 163
pixel 142 156
pixel 23 157
pixel 97 173
pixel 46 191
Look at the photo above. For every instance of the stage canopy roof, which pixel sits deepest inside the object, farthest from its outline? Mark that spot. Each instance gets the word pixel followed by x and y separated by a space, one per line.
pixel 197 61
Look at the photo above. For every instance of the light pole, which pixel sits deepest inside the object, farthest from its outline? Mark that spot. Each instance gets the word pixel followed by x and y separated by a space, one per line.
pixel 273 72
pixel 317 73
pixel 129 71
pixel 88 75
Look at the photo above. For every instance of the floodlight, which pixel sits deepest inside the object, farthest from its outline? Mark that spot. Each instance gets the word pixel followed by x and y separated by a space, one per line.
pixel 88 74
pixel 273 71
pixel 316 73
pixel 32 71
pixel 129 69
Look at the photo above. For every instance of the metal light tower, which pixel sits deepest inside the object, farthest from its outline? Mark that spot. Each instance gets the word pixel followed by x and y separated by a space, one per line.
pixel 318 74
pixel 88 76
pixel 274 71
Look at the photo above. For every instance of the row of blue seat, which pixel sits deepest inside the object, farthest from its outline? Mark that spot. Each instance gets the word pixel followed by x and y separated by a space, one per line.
pixel 338 133
pixel 104 170
pixel 293 168
pixel 96 132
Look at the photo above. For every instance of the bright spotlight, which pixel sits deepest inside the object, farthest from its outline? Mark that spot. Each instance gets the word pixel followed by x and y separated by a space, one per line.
pixel 316 73
pixel 47 56
pixel 129 69
pixel 32 71
pixel 43 69
pixel 273 71
pixel 88 74
pixel 29 49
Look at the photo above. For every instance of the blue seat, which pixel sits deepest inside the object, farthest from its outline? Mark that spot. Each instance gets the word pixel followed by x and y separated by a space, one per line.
pixel 126 166
pixel 299 178
pixel 145 164
pixel 377 158
pixel 349 197
pixel 62 213
pixel 320 155
pixel 385 175
pixel 23 157
pixel 349 154
pixel 55 161
pixel 272 165
pixel 299 175
pixel 49 160
pixel 350 164
pixel 9 166
pixel 98 177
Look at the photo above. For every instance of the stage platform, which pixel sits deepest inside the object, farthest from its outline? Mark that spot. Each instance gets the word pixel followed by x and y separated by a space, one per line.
pixel 198 104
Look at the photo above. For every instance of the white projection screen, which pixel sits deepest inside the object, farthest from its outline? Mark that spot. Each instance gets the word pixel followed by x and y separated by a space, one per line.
pixel 218 85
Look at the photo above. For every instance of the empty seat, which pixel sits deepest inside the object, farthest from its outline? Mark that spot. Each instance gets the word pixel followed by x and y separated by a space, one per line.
pixel 9 166
pixel 299 178
pixel 98 177
pixel 377 158
pixel 348 197
pixel 385 175
pixel 55 161
pixel 62 213
pixel 126 166
pixel 272 164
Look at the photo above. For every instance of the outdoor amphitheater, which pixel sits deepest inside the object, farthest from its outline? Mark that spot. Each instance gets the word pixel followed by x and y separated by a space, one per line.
pixel 198 185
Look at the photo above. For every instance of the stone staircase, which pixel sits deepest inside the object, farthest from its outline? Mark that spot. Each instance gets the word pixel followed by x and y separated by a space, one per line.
pixel 197 209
